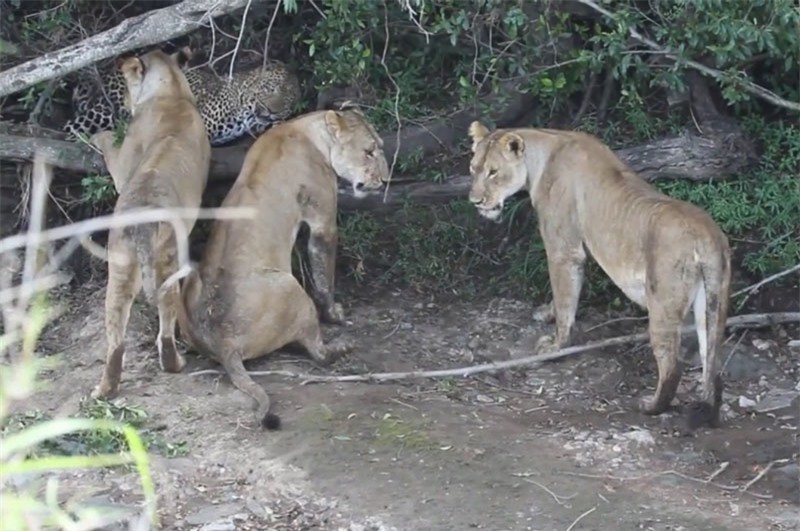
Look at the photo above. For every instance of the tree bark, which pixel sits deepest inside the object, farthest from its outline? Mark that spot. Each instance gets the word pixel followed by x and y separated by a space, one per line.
pixel 147 29
pixel 688 156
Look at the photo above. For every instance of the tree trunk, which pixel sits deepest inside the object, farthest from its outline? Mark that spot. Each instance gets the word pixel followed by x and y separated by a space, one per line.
pixel 147 29
pixel 688 156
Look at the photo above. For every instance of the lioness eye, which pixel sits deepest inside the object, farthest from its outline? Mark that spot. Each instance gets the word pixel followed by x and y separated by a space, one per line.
pixel 492 174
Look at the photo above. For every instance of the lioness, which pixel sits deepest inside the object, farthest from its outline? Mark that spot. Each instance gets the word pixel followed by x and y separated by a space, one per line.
pixel 243 301
pixel 666 255
pixel 163 162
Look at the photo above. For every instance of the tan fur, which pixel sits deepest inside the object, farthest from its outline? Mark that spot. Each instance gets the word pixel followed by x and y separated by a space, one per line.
pixel 666 255
pixel 243 302
pixel 163 162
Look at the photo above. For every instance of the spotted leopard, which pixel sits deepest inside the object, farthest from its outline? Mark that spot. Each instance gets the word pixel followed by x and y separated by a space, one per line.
pixel 249 103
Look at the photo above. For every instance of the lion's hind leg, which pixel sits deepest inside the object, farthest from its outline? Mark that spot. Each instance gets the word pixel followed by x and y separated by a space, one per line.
pixel 124 282
pixel 668 301
pixel 310 334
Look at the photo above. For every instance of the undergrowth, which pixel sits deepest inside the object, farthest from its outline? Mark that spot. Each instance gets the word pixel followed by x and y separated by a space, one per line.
pixel 98 441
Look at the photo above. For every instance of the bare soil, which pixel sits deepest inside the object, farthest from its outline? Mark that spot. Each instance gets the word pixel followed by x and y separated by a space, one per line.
pixel 532 449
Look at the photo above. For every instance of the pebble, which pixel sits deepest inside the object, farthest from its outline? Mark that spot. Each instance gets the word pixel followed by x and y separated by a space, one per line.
pixel 214 514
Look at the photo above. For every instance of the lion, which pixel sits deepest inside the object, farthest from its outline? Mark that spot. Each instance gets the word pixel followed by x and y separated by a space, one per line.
pixel 666 255
pixel 242 301
pixel 162 162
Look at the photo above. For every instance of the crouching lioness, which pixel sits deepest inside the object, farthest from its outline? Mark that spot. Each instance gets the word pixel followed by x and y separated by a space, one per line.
pixel 163 162
pixel 243 301
pixel 666 255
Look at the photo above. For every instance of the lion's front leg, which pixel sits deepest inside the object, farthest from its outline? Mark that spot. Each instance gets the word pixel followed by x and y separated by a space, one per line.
pixel 322 260
pixel 566 280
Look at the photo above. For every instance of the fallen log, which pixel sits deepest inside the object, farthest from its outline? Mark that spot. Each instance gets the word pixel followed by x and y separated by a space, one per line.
pixel 687 156
pixel 146 29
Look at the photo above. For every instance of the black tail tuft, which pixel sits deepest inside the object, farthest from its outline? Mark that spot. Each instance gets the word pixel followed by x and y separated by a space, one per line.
pixel 271 422
pixel 703 413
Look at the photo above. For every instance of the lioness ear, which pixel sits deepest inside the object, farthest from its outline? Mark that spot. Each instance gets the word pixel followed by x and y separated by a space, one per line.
pixel 335 123
pixel 182 56
pixel 513 143
pixel 477 132
pixel 132 68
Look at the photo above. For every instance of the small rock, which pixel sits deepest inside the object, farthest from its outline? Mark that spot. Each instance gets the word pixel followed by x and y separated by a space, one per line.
pixel 763 344
pixel 213 514
pixel 776 399
pixel 484 398
pixel 746 403
pixel 640 436
pixel 220 525
pixel 794 343
pixel 474 343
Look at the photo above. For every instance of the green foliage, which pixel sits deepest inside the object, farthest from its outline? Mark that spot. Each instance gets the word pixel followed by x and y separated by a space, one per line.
pixel 29 490
pixel 742 39
pixel 760 211
pixel 98 189
pixel 97 441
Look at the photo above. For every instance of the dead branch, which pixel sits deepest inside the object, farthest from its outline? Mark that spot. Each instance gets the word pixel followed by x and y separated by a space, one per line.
pixel 147 29
pixel 758 319
pixel 581 517
pixel 748 86
pixel 750 289
pixel 682 157
pixel 708 481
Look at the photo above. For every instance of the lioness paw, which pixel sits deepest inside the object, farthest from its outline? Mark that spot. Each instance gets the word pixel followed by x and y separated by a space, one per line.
pixel 546 344
pixel 336 313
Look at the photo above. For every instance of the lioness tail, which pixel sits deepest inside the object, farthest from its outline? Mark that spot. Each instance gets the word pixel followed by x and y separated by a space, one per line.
pixel 231 361
pixel 716 286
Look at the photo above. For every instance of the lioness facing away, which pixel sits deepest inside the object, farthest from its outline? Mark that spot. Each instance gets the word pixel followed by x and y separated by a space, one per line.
pixel 163 162
pixel 243 301
pixel 666 255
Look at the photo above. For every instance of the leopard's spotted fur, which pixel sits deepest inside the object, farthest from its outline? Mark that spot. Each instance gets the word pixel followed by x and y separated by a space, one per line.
pixel 249 103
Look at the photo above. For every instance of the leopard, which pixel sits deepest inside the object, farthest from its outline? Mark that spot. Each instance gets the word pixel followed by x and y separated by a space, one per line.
pixel 163 162
pixel 248 103
pixel 242 301
pixel 666 255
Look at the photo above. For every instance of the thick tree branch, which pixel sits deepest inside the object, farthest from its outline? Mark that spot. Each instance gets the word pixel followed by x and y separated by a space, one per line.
pixel 718 75
pixel 147 29
pixel 697 158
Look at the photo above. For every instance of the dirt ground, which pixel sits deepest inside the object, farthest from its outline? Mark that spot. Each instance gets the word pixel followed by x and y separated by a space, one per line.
pixel 558 446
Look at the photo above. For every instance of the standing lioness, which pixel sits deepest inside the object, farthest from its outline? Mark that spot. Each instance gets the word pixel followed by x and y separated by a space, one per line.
pixel 163 162
pixel 244 302
pixel 666 255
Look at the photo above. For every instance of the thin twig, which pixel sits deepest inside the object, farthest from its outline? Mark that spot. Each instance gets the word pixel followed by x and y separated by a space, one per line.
pixel 578 519
pixel 750 319
pixel 396 98
pixel 748 86
pixel 206 372
pixel 558 499
pixel 730 488
pixel 617 320
pixel 733 351
pixel 720 470
pixel 132 217
pixel 750 289
pixel 269 31
pixel 718 75
pixel 239 39
pixel 763 473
